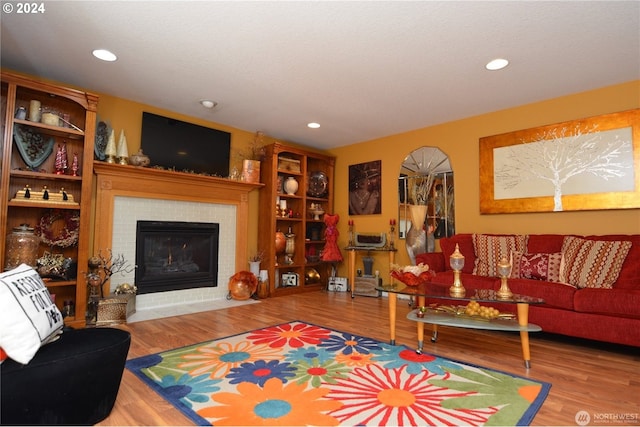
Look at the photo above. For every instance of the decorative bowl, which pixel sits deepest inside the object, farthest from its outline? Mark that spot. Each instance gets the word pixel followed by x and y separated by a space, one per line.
pixel 412 275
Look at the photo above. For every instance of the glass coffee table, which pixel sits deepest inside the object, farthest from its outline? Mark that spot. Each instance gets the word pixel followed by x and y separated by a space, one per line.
pixel 453 317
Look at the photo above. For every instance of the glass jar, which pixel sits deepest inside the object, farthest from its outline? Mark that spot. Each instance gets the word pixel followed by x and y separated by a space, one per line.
pixel 21 247
pixel 68 309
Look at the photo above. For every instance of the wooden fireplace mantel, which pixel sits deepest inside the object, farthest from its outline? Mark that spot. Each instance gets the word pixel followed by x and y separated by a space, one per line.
pixel 150 183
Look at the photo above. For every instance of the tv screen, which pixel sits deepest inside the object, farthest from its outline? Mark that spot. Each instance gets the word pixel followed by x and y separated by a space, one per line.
pixel 174 144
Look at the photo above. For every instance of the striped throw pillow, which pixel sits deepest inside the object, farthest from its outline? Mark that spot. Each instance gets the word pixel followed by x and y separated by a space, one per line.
pixel 490 249
pixel 592 263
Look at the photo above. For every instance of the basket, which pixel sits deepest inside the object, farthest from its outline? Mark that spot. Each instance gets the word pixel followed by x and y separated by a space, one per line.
pixel 115 309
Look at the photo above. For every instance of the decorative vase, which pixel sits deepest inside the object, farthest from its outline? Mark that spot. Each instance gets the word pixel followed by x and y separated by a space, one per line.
pixel 254 267
pixel 251 170
pixel 291 185
pixel 281 242
pixel 242 285
pixel 139 159
pixel 263 284
pixel 290 247
pixel 21 247
pixel 416 236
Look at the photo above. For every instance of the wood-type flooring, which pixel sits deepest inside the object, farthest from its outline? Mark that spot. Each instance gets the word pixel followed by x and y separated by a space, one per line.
pixel 599 378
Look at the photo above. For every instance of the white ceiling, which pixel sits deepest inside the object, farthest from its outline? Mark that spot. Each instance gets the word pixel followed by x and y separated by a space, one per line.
pixel 363 70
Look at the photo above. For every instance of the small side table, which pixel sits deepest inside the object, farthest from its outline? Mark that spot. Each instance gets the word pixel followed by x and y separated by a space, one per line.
pixel 352 250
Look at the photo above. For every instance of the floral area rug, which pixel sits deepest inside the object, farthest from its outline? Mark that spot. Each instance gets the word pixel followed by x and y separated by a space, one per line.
pixel 298 374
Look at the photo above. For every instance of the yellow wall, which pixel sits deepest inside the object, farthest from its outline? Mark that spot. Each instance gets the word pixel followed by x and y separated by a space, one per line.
pixel 459 140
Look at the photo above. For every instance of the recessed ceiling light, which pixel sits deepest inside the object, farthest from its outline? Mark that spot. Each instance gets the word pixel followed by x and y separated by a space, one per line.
pixel 208 104
pixel 313 125
pixel 105 55
pixel 497 64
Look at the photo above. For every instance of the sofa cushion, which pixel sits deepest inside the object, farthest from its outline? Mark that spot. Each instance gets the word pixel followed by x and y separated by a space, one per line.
pixel 612 302
pixel 554 294
pixel 490 249
pixel 29 318
pixel 592 263
pixel 545 243
pixel 465 245
pixel 629 277
pixel 536 266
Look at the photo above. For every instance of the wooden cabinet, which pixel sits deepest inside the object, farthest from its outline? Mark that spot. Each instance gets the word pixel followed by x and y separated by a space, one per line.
pixel 299 215
pixel 30 158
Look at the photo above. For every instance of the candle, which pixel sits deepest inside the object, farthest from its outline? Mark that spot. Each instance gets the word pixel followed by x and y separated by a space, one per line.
pixel 283 204
pixel 392 221
pixel 350 222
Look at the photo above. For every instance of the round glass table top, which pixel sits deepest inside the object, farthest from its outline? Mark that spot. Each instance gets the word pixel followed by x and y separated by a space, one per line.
pixel 440 291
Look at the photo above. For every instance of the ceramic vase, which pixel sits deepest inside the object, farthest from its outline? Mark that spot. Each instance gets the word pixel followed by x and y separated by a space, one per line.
pixel 263 284
pixel 251 170
pixel 281 242
pixel 254 267
pixel 291 185
pixel 416 241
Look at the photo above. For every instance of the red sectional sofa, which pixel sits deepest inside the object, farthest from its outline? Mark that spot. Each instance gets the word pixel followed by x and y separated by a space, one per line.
pixel 608 315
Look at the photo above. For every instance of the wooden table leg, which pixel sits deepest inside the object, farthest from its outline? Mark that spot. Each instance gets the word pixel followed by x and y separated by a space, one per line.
pixel 420 300
pixel 352 271
pixel 523 321
pixel 392 318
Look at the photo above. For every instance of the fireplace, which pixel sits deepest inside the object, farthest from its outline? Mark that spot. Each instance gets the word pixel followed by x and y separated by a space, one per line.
pixel 176 255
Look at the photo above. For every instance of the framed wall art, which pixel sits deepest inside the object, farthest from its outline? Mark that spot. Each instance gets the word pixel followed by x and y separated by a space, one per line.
pixel 365 197
pixel 586 164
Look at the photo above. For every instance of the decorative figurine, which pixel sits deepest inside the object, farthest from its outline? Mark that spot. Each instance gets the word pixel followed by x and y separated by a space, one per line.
pixel 110 149
pixel 123 150
pixel 74 165
pixel 61 159
pixel 331 252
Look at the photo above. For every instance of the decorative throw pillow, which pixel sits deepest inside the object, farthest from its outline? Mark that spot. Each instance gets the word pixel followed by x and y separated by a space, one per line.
pixel 28 317
pixel 536 266
pixel 490 249
pixel 592 263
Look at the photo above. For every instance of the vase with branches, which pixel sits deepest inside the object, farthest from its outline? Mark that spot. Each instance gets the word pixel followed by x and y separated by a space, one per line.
pixel 254 262
pixel 101 268
pixel 417 236
pixel 251 158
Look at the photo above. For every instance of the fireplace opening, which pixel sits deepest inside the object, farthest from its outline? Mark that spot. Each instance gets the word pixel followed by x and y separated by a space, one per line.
pixel 175 255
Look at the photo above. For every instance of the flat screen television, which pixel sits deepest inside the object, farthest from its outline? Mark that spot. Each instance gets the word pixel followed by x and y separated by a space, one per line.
pixel 185 147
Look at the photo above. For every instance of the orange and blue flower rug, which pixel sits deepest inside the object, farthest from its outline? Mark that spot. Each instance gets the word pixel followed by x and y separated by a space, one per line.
pixel 297 374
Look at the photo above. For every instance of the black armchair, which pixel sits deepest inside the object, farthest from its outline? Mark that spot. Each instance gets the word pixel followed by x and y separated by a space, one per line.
pixel 74 380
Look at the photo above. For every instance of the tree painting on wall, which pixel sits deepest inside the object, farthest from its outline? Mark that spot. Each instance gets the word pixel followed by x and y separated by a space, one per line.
pixel 585 164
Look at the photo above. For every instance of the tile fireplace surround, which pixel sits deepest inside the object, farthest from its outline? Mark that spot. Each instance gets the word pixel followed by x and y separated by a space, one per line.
pixel 126 194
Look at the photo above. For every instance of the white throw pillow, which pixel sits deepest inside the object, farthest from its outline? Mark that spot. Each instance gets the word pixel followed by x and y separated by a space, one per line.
pixel 28 317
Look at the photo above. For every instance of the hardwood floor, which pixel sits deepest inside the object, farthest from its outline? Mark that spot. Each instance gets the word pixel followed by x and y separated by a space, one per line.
pixel 602 379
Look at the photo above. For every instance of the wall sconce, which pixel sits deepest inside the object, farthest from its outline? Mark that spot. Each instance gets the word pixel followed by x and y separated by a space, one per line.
pixel 504 271
pixel 456 261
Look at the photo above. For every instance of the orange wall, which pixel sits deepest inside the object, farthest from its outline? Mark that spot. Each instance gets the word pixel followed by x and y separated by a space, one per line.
pixel 459 140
